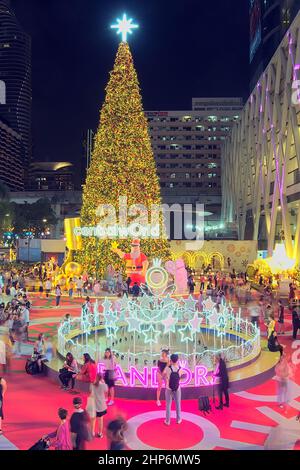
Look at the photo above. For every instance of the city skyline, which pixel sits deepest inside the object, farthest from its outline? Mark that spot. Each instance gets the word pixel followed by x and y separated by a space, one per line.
pixel 190 61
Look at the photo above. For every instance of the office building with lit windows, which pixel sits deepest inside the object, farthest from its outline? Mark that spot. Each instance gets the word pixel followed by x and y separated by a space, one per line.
pixel 269 21
pixel 188 150
pixel 11 158
pixel 15 73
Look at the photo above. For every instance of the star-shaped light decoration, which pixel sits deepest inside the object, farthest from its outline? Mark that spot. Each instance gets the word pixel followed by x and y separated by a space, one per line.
pixel 195 323
pixel 221 325
pixel 124 303
pixel 208 304
pixel 151 334
pixel 134 324
pixel 111 330
pixel 213 318
pixel 124 26
pixel 106 305
pixel 186 334
pixel 169 324
pixel 190 303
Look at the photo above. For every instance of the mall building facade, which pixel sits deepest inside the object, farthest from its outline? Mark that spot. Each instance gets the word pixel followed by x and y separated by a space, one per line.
pixel 261 164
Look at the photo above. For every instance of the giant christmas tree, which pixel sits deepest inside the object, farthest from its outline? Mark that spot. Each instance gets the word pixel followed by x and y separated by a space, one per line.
pixel 122 165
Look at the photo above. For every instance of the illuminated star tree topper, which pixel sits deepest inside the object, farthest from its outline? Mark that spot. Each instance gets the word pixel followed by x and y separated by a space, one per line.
pixel 124 27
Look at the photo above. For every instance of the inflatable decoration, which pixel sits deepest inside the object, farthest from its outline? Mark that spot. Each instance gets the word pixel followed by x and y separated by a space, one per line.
pixel 136 261
pixel 178 271
pixel 73 269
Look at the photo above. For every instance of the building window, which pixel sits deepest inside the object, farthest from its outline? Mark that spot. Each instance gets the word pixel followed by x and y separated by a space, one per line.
pixel 173 175
pixel 187 175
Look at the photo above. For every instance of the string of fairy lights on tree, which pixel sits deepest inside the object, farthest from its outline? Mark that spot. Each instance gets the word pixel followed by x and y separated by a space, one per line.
pixel 122 162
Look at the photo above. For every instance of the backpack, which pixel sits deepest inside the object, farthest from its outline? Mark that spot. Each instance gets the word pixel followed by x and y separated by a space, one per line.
pixel 174 380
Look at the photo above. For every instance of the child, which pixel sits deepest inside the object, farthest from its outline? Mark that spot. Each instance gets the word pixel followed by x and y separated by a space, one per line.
pixel 115 434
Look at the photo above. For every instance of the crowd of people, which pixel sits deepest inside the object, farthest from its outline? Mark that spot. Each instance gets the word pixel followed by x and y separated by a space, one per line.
pixel 87 423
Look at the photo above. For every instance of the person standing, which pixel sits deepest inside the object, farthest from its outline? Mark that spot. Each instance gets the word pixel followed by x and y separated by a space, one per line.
pixel 202 282
pixel 48 287
pixel 109 375
pixel 2 354
pixel 25 320
pixel 222 373
pixel 57 295
pixel 283 373
pixel 295 322
pixel 79 424
pixel 128 282
pixel 79 286
pixel 135 290
pixel 162 363
pixel 3 390
pixel 99 391
pixel 291 293
pixel 173 375
pixel 271 325
pixel 71 288
pixel 281 317
pixel 191 284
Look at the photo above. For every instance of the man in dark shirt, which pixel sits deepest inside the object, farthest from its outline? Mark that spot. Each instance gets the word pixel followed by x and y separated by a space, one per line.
pixel 79 425
pixel 296 322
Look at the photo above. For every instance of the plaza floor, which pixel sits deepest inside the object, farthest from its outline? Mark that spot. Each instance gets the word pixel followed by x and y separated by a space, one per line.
pixel 31 406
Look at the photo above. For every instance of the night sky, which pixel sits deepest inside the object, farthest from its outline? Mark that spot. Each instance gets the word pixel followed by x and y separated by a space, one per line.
pixel 183 49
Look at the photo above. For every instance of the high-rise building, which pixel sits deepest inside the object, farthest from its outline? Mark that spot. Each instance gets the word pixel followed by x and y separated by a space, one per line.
pixel 11 158
pixel 15 73
pixel 51 176
pixel 269 21
pixel 261 172
pixel 188 150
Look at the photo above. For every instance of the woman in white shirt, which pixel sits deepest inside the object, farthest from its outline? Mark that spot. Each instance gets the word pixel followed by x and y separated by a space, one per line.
pixel 99 391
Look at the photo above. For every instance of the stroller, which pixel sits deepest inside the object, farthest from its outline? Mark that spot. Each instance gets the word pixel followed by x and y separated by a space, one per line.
pixel 42 444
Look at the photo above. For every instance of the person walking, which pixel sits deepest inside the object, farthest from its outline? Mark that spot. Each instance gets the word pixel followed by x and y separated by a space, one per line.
pixel 223 386
pixel 57 295
pixel 173 374
pixel 99 391
pixel 3 390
